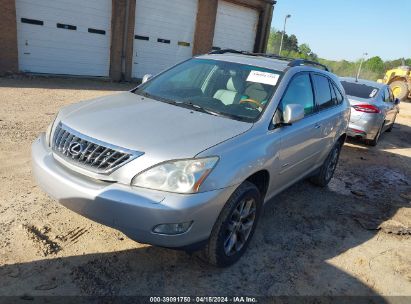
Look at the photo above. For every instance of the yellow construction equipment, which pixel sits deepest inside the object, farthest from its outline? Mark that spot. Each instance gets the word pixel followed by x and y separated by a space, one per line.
pixel 399 80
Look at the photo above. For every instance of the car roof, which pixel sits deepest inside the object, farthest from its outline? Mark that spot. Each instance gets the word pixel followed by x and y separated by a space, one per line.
pixel 260 61
pixel 363 81
pixel 264 60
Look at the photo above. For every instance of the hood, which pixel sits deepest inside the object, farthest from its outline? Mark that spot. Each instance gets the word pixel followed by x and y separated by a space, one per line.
pixel 156 128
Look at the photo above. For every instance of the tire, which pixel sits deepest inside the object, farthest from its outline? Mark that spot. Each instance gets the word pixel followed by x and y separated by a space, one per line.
pixel 374 142
pixel 403 89
pixel 226 231
pixel 326 171
pixel 392 125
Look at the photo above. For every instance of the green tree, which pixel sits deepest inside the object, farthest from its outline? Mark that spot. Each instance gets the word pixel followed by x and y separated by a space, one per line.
pixel 290 43
pixel 304 49
pixel 375 64
pixel 373 68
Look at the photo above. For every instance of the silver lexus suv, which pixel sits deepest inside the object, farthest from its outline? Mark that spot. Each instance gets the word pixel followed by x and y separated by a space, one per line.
pixel 187 159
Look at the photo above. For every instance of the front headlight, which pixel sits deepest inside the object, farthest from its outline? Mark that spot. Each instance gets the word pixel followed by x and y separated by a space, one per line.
pixel 180 176
pixel 49 129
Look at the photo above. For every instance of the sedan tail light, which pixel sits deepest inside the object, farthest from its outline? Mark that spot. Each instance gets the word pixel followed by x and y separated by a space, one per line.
pixel 367 108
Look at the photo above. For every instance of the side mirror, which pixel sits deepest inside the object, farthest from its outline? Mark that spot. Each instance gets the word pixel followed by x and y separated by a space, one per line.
pixel 293 113
pixel 396 101
pixel 146 78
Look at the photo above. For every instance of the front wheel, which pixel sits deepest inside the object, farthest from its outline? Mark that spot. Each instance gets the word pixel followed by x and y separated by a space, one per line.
pixel 234 227
pixel 326 172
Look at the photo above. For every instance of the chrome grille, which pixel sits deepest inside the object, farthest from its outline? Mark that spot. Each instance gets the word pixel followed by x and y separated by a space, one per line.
pixel 89 153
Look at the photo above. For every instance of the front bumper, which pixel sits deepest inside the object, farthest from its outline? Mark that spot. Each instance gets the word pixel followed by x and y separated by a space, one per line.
pixel 134 211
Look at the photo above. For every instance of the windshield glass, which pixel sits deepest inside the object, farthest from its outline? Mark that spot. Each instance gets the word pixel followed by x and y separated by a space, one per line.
pixel 359 90
pixel 219 88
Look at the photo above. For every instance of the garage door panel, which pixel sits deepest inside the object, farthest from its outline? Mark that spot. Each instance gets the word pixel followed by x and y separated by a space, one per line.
pixel 73 55
pixel 235 27
pixel 64 9
pixel 73 69
pixel 48 49
pixel 100 22
pixel 164 19
pixel 58 62
pixel 57 37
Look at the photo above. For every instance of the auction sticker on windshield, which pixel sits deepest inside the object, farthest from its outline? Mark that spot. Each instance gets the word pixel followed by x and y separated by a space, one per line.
pixel 263 77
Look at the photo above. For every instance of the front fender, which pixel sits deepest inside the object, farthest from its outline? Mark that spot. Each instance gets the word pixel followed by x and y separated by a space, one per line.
pixel 241 157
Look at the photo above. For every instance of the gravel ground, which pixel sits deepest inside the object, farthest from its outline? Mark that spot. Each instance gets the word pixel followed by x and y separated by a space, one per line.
pixel 351 238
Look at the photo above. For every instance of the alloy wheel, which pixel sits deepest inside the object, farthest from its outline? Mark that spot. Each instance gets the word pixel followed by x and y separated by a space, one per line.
pixel 240 226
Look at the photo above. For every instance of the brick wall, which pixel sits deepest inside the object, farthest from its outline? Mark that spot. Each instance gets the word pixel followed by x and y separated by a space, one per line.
pixel 8 37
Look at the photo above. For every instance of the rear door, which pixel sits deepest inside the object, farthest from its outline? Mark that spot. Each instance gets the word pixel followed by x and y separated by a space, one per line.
pixel 300 142
pixel 328 99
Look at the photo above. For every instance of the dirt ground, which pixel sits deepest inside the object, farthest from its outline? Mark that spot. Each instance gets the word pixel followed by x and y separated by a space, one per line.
pixel 351 238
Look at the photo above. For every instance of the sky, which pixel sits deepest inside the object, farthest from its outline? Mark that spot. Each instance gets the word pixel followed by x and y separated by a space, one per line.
pixel 346 29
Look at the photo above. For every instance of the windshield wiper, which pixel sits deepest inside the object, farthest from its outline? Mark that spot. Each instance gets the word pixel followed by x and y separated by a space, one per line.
pixel 148 95
pixel 209 111
pixel 192 106
pixel 196 107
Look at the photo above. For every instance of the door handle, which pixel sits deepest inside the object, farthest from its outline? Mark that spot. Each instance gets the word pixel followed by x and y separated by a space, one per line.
pixel 317 126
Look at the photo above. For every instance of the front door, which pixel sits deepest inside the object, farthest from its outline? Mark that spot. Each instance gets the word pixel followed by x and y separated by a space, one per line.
pixel 301 141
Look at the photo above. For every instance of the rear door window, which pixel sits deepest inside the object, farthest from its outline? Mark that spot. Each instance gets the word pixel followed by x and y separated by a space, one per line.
pixel 323 95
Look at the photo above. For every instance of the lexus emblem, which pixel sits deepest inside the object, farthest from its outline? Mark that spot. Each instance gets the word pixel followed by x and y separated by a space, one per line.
pixel 75 148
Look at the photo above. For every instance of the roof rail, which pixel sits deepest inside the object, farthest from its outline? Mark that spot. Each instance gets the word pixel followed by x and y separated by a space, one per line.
pixel 293 62
pixel 300 62
pixel 268 55
pixel 223 51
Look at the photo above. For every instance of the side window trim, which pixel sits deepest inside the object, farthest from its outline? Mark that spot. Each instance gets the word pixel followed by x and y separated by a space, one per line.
pixel 336 89
pixel 316 108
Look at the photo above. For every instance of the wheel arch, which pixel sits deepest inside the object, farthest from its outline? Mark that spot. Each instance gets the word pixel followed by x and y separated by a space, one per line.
pixel 397 78
pixel 342 138
pixel 261 179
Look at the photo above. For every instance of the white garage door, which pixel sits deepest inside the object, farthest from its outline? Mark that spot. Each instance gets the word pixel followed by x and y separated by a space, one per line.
pixel 64 36
pixel 235 27
pixel 164 34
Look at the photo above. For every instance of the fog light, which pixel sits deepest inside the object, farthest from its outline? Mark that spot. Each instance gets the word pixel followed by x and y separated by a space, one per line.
pixel 172 228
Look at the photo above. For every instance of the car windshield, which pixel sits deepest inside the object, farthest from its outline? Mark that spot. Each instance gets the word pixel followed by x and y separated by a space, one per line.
pixel 359 90
pixel 220 88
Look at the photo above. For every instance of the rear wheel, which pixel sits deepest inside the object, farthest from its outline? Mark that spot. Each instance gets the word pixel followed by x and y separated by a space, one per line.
pixel 399 89
pixel 392 125
pixel 234 227
pixel 374 142
pixel 326 172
